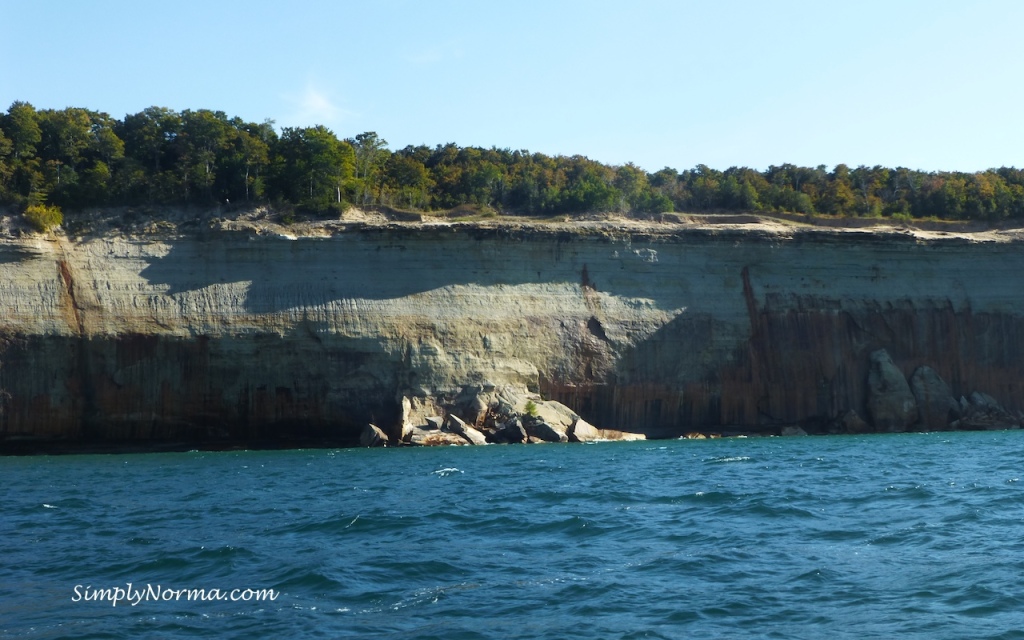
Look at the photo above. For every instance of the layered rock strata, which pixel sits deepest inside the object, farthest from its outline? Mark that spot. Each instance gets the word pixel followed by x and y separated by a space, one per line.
pixel 665 330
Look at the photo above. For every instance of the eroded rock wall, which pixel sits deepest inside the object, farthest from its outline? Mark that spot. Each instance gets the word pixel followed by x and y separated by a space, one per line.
pixel 241 335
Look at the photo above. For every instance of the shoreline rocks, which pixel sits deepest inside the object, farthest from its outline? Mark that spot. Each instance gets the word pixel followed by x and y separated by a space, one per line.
pixel 925 402
pixel 983 413
pixel 476 415
pixel 485 414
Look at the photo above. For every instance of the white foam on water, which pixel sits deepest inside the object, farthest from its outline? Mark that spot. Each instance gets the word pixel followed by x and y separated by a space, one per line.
pixel 447 471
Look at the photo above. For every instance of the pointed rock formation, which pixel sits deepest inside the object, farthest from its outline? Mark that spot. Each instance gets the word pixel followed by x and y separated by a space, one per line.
pixel 458 426
pixel 891 404
pixel 373 436
pixel 935 402
pixel 583 431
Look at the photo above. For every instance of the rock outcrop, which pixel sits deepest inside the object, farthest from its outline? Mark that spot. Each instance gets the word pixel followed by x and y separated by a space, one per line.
pixel 470 434
pixel 505 416
pixel 890 402
pixel 511 432
pixel 935 403
pixel 433 438
pixel 850 422
pixel 583 431
pixel 982 413
pixel 544 432
pixel 373 436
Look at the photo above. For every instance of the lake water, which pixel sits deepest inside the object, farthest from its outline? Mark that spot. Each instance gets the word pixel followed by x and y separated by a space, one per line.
pixel 909 536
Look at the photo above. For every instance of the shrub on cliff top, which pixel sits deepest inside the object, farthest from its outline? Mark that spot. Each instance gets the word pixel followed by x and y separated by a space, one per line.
pixel 43 217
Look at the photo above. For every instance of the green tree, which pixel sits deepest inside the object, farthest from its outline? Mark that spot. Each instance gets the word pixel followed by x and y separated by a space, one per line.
pixel 21 127
pixel 371 154
pixel 204 137
pixel 314 168
pixel 704 184
pixel 103 156
pixel 870 188
pixel 588 187
pixel 254 147
pixel 147 134
pixel 152 172
pixel 838 198
pixel 6 170
pixel 950 197
pixel 482 181
pixel 634 190
pixel 668 184
pixel 65 137
pixel 408 179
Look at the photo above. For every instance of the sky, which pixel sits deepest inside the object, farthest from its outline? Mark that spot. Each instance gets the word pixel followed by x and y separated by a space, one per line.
pixel 929 84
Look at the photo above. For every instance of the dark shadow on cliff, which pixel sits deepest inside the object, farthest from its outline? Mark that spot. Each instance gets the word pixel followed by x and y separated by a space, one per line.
pixel 12 254
pixel 802 361
pixel 662 385
pixel 284 274
pixel 257 388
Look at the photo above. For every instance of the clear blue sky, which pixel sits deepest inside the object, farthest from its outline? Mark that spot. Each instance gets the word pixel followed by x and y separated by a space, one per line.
pixel 930 84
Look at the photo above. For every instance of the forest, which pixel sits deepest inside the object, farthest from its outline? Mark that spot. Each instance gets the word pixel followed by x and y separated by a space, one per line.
pixel 75 158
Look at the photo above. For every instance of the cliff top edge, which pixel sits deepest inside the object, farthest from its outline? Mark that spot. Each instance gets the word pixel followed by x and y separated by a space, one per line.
pixel 181 223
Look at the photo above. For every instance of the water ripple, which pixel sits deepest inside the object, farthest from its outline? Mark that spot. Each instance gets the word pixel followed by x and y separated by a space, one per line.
pixel 859 537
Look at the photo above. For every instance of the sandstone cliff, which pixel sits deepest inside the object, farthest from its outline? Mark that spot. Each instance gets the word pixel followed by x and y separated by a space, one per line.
pixel 244 334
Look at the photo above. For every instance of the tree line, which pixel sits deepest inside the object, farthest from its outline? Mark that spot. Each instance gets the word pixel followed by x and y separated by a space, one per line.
pixel 76 158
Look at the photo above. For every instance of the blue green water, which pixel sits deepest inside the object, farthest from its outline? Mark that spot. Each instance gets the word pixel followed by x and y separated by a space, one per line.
pixel 912 536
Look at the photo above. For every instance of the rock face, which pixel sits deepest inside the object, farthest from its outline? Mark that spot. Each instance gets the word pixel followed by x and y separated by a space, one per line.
pixel 935 403
pixel 663 330
pixel 431 438
pixel 852 423
pixel 511 432
pixel 890 402
pixel 545 432
pixel 983 412
pixel 471 435
pixel 373 436
pixel 583 431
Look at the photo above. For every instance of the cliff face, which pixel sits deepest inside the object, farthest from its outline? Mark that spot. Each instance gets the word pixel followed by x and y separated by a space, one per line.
pixel 243 335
